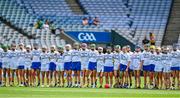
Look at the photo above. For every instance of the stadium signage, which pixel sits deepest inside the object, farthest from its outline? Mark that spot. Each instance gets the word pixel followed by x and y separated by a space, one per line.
pixel 89 37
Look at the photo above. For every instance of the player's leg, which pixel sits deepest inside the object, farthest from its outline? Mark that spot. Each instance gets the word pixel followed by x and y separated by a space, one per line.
pixel 135 78
pixel 138 78
pixel 43 78
pixel 130 77
pixel 111 78
pixel 4 76
pixel 161 80
pixel 116 78
pixel 62 78
pixel 179 78
pixel 106 77
pixel 70 77
pixel 9 76
pixel 94 78
pixel 84 77
pixel 47 78
pixel 100 79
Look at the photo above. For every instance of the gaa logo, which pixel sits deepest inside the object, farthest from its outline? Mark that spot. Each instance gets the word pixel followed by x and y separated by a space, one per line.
pixel 86 37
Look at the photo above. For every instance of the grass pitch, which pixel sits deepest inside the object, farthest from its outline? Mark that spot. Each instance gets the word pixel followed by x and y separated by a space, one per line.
pixel 26 92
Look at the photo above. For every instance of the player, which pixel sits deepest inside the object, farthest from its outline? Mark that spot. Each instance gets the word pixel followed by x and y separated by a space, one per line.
pixel 6 67
pixel 45 66
pixel 84 63
pixel 117 49
pixel 60 66
pixel 146 65
pixel 1 67
pixel 100 65
pixel 175 66
pixel 130 72
pixel 152 66
pixel 124 67
pixel 166 62
pixel 13 64
pixel 27 66
pixel 21 64
pixel 36 65
pixel 92 66
pixel 52 65
pixel 136 61
pixel 158 68
pixel 68 64
pixel 76 64
pixel 108 66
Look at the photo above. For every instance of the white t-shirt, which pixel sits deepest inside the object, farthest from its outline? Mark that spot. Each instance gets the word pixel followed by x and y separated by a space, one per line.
pixel 175 58
pixel 93 56
pixel 136 58
pixel 45 58
pixel 124 58
pixel 36 55
pixel 28 58
pixel 84 57
pixel 116 59
pixel 166 59
pixel 76 55
pixel 21 54
pixel 60 58
pixel 108 60
pixel 53 56
pixel 13 57
pixel 158 59
pixel 100 59
pixel 67 56
pixel 146 57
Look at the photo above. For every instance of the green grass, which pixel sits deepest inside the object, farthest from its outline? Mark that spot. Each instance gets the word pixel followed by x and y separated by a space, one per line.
pixel 23 92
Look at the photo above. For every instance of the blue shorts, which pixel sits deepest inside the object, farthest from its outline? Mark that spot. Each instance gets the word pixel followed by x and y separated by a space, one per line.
pixel 68 66
pixel 76 66
pixel 52 66
pixel 0 65
pixel 21 67
pixel 175 68
pixel 92 66
pixel 108 69
pixel 149 67
pixel 36 65
pixel 122 67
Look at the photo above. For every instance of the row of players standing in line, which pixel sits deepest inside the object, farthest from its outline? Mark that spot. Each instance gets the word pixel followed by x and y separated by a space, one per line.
pixel 28 63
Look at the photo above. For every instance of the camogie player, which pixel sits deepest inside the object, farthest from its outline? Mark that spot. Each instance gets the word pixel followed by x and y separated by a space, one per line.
pixel 108 66
pixel 92 66
pixel 52 65
pixel 21 63
pixel 28 59
pixel 68 64
pixel 136 61
pixel 147 68
pixel 130 72
pixel 13 64
pixel 84 62
pixel 36 65
pixel 6 67
pixel 45 66
pixel 166 62
pixel 117 49
pixel 158 68
pixel 100 65
pixel 152 66
pixel 175 66
pixel 76 64
pixel 123 68
pixel 60 66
